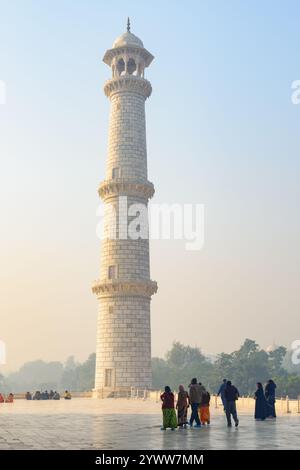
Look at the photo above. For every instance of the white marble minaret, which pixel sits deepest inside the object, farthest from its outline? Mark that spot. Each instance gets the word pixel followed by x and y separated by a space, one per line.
pixel 124 288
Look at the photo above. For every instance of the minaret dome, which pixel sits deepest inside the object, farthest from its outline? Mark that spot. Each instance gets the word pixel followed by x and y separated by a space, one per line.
pixel 128 56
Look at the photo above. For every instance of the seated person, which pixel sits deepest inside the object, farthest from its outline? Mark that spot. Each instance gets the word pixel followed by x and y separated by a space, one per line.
pixel 56 396
pixel 37 395
pixel 1 398
pixel 10 398
pixel 67 395
pixel 28 396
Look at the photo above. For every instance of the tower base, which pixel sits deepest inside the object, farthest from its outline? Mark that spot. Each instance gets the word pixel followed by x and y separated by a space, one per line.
pixel 121 392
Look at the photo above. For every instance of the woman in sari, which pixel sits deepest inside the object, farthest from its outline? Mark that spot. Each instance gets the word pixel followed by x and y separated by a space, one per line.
pixel 168 409
pixel 204 413
pixel 260 403
pixel 182 407
pixel 270 396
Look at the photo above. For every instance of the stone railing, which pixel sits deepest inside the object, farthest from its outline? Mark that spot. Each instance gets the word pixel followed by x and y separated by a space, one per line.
pixel 129 83
pixel 124 186
pixel 145 288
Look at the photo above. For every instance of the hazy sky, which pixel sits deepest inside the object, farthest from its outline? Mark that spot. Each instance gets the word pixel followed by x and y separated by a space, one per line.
pixel 221 130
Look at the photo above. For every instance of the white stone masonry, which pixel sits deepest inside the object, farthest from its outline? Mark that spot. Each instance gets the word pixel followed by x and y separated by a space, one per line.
pixel 124 288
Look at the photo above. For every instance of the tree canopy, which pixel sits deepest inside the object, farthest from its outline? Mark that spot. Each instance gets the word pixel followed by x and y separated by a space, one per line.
pixel 245 367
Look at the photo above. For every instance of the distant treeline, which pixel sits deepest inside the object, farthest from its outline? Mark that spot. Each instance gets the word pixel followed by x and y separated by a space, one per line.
pixel 41 375
pixel 244 367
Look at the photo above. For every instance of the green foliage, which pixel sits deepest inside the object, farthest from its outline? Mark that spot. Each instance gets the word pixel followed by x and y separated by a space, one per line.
pixel 181 365
pixel 69 380
pixel 276 359
pixel 244 367
pixel 79 377
pixel 288 384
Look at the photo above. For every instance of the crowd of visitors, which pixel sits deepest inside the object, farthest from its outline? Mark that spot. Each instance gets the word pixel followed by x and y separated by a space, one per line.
pixel 38 395
pixel 52 395
pixel 198 399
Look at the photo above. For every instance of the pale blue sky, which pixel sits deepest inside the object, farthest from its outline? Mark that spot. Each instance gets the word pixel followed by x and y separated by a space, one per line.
pixel 222 131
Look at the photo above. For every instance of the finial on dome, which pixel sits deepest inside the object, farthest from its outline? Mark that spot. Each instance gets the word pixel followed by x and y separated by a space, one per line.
pixel 128 25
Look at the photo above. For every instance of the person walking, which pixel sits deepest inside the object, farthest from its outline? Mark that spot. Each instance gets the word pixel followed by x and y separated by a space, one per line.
pixel 168 409
pixel 231 395
pixel 204 407
pixel 195 400
pixel 222 393
pixel 182 406
pixel 270 397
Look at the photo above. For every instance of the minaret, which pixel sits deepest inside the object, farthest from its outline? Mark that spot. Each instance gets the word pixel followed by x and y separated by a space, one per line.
pixel 124 288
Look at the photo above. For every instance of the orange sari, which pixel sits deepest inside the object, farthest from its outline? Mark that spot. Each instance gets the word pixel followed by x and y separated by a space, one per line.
pixel 204 414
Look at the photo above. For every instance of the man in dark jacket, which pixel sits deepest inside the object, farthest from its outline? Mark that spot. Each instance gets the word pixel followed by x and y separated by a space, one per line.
pixel 231 395
pixel 195 395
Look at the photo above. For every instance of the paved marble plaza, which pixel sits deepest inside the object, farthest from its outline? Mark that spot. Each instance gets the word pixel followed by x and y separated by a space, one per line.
pixel 84 423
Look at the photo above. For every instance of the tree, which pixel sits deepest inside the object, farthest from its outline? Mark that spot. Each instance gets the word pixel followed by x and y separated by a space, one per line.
pixel 181 365
pixel 276 359
pixel 223 366
pixel 161 373
pixel 35 375
pixel 182 356
pixel 79 377
pixel 70 363
pixel 287 384
pixel 69 379
pixel 86 374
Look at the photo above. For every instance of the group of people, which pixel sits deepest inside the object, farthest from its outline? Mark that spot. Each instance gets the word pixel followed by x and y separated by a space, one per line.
pixel 198 398
pixel 52 395
pixel 7 399
pixel 265 401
